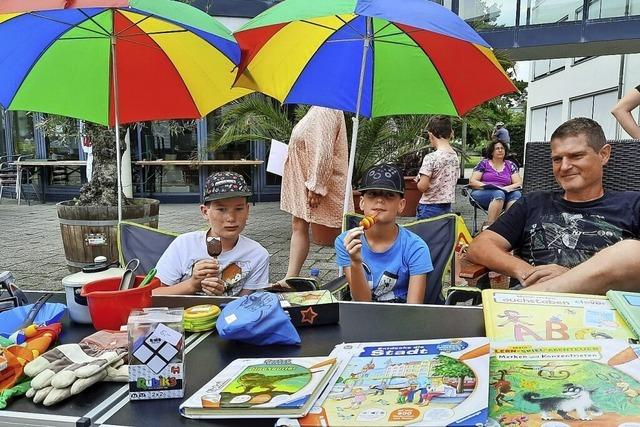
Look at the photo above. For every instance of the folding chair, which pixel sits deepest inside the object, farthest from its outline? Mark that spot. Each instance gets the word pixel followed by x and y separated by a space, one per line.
pixel 441 235
pixel 466 192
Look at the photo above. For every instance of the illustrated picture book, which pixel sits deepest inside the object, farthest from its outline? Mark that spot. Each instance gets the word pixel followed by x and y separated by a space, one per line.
pixel 427 383
pixel 538 316
pixel 588 383
pixel 628 305
pixel 262 388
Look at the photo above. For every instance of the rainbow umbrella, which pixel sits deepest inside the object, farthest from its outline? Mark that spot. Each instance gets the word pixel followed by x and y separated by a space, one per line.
pixel 115 61
pixel 370 57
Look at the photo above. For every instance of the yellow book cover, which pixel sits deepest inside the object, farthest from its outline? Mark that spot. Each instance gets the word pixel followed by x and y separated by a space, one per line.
pixel 537 316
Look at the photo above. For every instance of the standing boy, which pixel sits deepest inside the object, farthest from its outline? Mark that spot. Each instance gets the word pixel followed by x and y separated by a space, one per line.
pixel 439 172
pixel 242 266
pixel 384 263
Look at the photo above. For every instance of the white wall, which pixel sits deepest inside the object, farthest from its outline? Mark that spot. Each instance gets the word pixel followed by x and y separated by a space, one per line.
pixel 588 88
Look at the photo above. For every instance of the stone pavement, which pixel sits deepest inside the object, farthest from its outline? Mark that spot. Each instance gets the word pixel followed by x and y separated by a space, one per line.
pixel 31 246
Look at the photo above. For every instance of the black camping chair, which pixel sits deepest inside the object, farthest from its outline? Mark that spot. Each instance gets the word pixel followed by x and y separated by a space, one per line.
pixel 440 235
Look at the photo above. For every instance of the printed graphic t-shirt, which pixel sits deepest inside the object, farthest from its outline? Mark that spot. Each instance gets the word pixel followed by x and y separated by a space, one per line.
pixel 246 266
pixel 388 272
pixel 551 230
pixel 443 168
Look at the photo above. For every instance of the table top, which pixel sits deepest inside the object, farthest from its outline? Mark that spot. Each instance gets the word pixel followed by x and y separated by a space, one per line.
pixel 49 162
pixel 207 354
pixel 199 162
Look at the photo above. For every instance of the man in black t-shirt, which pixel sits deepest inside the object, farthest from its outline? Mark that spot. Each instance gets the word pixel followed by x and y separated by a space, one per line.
pixel 580 240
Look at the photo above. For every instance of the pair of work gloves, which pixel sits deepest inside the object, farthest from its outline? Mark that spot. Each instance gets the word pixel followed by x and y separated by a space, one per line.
pixel 70 368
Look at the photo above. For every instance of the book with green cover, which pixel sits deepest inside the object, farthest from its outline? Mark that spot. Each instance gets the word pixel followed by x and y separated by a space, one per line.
pixel 584 383
pixel 628 305
pixel 536 316
pixel 262 388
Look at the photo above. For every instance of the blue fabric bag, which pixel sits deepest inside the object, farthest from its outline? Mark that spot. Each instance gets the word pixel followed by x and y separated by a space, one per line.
pixel 257 319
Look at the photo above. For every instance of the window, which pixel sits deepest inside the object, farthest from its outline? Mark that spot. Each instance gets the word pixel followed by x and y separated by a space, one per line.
pixel 23 135
pixel 3 147
pixel 545 120
pixel 597 107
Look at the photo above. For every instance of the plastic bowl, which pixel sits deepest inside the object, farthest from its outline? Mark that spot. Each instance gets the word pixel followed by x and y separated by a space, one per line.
pixel 110 307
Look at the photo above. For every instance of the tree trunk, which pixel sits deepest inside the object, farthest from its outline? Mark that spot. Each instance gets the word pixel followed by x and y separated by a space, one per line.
pixel 460 388
pixel 102 190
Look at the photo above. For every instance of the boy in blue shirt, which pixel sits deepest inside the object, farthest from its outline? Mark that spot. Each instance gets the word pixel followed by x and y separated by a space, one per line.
pixel 385 263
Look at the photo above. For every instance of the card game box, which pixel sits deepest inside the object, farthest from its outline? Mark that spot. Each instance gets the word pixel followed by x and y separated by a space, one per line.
pixel 310 308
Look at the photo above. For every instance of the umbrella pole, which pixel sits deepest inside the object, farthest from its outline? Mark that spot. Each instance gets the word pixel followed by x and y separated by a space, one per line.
pixel 356 119
pixel 114 73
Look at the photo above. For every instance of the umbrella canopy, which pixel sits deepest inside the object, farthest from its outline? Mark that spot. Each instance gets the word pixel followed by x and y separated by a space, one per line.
pixel 419 58
pixel 114 61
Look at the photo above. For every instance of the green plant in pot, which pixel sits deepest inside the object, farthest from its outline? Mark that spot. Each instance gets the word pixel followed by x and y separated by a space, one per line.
pixel 88 222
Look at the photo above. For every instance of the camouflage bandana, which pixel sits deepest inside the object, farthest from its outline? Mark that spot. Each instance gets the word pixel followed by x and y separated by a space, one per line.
pixel 225 185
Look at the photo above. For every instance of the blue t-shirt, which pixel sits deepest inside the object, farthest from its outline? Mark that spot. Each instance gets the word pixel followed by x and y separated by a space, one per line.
pixel 388 272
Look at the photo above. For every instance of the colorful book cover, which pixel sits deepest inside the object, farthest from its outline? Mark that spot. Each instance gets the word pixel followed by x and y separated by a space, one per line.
pixel 565 384
pixel 628 305
pixel 262 388
pixel 538 316
pixel 427 383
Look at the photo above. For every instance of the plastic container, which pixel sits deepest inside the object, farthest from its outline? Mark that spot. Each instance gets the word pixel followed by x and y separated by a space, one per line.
pixel 110 307
pixel 73 283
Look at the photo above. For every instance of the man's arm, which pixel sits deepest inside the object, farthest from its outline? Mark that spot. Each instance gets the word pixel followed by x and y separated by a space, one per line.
pixel 622 112
pixel 493 251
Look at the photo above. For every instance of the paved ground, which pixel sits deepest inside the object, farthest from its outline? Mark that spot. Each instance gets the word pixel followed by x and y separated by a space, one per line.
pixel 31 246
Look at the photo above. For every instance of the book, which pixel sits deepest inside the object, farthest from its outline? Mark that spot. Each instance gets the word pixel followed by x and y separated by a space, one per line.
pixel 262 388
pixel 497 187
pixel 565 383
pixel 538 316
pixel 427 383
pixel 628 305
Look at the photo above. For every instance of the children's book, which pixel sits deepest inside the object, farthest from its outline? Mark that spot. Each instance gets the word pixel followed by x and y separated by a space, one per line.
pixel 628 305
pixel 262 388
pixel 538 316
pixel 427 383
pixel 585 383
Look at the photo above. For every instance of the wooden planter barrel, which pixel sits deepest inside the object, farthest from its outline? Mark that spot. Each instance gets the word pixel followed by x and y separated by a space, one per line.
pixel 91 231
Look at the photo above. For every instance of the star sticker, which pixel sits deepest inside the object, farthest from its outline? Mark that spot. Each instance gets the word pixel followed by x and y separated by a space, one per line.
pixel 308 315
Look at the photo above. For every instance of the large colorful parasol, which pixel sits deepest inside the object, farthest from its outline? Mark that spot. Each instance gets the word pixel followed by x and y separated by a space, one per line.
pixel 115 61
pixel 370 57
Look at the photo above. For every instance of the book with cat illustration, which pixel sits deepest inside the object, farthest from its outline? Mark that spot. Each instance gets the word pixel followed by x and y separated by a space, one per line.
pixel 565 383
pixel 427 383
pixel 537 316
pixel 628 305
pixel 262 388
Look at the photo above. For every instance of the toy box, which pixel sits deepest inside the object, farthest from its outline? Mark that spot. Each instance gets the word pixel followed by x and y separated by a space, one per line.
pixel 310 308
pixel 156 345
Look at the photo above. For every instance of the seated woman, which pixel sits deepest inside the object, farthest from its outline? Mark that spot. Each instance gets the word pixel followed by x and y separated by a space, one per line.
pixel 495 181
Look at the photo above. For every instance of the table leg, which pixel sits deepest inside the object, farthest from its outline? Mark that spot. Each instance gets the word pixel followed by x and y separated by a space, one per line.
pixel 18 183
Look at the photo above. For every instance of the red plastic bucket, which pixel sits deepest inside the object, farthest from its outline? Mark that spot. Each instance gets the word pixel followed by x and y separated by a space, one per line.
pixel 110 307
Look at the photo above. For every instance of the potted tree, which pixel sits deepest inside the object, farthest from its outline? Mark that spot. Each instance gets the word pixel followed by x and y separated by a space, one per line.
pixel 88 222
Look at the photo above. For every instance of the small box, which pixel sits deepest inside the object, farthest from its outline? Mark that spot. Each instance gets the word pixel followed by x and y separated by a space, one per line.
pixel 310 308
pixel 156 347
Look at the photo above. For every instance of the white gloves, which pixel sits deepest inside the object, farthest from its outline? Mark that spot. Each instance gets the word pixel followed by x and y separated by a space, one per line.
pixel 70 368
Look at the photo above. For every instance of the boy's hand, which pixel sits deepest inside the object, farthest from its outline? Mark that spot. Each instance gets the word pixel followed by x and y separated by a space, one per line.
pixel 213 286
pixel 353 244
pixel 205 268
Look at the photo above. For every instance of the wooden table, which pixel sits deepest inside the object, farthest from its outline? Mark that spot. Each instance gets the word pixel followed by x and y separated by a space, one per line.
pixel 41 163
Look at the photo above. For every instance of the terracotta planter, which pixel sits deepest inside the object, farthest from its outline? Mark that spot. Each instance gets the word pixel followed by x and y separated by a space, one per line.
pixel 411 194
pixel 323 235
